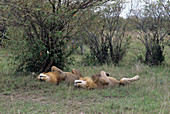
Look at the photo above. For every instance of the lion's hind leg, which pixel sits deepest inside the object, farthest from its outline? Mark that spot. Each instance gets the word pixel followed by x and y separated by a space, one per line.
pixel 77 73
pixel 126 81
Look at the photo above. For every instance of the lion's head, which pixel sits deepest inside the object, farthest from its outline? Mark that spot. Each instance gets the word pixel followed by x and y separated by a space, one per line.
pixel 101 78
pixel 57 75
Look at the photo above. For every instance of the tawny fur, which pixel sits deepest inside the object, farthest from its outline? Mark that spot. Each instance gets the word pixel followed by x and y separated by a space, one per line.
pixel 72 76
pixel 57 75
pixel 101 80
pixel 124 81
pixel 52 77
pixel 90 84
pixel 96 81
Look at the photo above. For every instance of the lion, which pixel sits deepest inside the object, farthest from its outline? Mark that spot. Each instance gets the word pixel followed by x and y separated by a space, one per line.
pixel 57 75
pixel 96 81
pixel 102 80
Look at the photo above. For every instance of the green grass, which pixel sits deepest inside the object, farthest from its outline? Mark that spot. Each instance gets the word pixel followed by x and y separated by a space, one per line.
pixel 24 94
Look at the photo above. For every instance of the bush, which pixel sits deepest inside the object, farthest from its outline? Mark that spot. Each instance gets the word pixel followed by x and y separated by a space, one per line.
pixel 119 48
pixel 89 59
pixel 153 28
pixel 106 39
pixel 3 30
pixel 43 45
pixel 154 54
pixel 47 30
pixel 38 40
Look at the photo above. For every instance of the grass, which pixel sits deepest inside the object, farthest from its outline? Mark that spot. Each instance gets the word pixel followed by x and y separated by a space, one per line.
pixel 24 94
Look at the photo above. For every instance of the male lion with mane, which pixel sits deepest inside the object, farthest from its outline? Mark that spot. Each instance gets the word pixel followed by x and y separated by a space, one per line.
pixel 102 80
pixel 57 75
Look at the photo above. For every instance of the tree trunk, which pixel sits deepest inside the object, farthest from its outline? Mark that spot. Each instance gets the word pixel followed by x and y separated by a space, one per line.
pixel 82 49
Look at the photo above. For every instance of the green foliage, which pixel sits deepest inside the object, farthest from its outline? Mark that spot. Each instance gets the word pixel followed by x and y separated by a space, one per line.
pixel 153 30
pixel 154 56
pixel 150 94
pixel 101 55
pixel 120 49
pixel 3 34
pixel 23 93
pixel 89 59
pixel 43 41
pixel 106 36
pixel 47 29
pixel 33 55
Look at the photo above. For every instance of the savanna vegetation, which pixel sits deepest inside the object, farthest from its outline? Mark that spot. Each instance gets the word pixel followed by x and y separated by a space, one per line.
pixel 36 34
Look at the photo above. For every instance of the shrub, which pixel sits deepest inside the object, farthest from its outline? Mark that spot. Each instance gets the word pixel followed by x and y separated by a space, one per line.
pixel 47 30
pixel 43 44
pixel 154 54
pixel 152 26
pixel 89 59
pixel 106 39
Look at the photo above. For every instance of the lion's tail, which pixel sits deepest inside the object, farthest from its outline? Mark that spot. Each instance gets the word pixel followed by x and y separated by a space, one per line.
pixel 125 81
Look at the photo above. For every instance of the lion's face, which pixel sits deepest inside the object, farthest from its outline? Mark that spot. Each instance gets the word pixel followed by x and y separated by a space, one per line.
pixel 80 83
pixel 101 78
pixel 43 77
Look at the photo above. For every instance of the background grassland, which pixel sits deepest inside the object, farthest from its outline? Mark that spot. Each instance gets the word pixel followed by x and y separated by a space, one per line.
pixel 22 93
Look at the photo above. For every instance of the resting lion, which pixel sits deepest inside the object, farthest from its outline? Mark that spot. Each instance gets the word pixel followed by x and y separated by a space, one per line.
pixel 101 80
pixel 57 75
